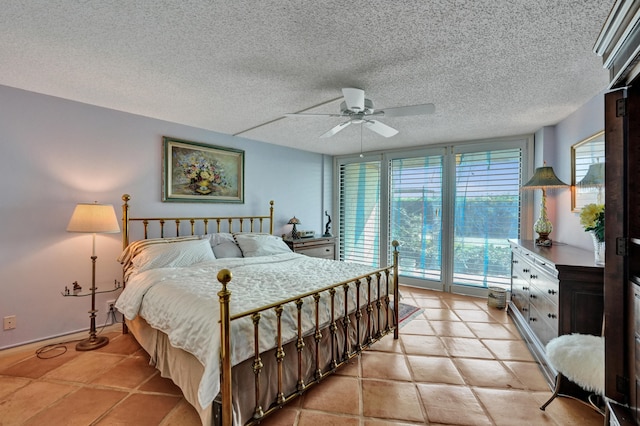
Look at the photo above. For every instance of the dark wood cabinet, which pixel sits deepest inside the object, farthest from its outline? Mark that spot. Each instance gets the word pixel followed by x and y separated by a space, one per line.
pixel 554 290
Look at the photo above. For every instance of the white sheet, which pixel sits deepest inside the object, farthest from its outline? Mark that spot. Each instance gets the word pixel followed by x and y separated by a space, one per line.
pixel 183 303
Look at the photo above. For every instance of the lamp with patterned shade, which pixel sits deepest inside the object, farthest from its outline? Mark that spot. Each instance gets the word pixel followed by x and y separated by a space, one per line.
pixel 543 178
pixel 294 232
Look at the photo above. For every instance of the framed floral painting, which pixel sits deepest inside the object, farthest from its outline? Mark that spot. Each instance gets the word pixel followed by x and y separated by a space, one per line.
pixel 197 172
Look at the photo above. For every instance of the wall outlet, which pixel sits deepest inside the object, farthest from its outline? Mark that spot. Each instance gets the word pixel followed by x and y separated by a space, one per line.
pixel 111 305
pixel 9 323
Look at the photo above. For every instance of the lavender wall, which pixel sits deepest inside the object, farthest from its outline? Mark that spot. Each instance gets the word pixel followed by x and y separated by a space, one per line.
pixel 56 153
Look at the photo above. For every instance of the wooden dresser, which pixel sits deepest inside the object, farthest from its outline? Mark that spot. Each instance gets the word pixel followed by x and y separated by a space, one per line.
pixel 554 290
pixel 323 247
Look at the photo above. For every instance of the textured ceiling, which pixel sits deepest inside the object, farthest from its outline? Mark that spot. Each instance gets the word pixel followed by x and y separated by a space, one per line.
pixel 492 67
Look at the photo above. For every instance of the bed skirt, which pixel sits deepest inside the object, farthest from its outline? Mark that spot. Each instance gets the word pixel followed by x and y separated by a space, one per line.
pixel 185 370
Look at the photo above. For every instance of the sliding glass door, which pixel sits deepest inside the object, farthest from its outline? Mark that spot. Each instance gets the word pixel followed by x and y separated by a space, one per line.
pixel 452 209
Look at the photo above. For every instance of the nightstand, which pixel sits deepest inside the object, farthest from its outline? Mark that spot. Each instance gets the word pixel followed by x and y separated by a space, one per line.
pixel 323 247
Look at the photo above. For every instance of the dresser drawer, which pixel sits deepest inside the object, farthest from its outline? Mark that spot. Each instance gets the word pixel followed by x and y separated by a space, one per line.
pixel 546 308
pixel 325 251
pixel 314 247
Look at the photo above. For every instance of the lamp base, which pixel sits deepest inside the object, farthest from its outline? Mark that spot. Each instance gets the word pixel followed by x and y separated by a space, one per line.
pixel 92 343
pixel 543 240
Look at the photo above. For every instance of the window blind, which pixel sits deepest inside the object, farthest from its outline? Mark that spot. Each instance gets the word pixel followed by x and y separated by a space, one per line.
pixel 359 199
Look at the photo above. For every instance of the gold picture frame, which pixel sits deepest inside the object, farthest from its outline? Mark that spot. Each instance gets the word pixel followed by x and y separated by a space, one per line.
pixel 587 172
pixel 198 172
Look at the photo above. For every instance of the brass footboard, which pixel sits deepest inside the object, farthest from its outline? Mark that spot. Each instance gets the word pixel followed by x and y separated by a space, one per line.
pixel 373 320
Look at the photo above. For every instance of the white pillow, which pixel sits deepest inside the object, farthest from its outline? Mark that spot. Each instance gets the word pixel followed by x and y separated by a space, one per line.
pixel 253 245
pixel 183 253
pixel 227 249
pixel 223 245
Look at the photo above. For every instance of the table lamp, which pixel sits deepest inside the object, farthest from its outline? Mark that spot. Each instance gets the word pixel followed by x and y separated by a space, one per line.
pixel 93 219
pixel 543 178
pixel 294 232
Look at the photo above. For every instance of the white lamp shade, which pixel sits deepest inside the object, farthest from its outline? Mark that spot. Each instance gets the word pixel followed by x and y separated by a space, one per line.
pixel 94 218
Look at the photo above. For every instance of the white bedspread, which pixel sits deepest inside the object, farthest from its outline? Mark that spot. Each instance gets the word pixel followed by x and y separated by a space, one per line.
pixel 183 303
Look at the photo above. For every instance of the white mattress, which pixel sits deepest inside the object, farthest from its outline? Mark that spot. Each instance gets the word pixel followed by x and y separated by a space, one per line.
pixel 183 303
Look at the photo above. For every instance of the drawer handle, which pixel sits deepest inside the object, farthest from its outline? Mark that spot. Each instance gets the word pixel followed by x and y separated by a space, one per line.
pixel 526 270
pixel 533 296
pixel 551 291
pixel 327 250
pixel 525 288
pixel 552 316
pixel 515 261
pixel 533 319
pixel 525 309
pixel 534 277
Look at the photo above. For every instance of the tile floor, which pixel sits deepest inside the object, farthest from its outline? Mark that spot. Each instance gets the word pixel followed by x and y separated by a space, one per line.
pixel 456 363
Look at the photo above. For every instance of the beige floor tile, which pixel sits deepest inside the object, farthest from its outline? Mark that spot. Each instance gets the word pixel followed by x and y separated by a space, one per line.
pixel 140 410
pixel 466 304
pixel 391 400
pixel 380 365
pixel 529 374
pixel 423 345
pixel 440 314
pixel 451 329
pixel 283 417
pixel 85 367
pixel 417 326
pixel 27 401
pixel 387 344
pixel 35 367
pixel 310 418
pixel 430 303
pixel 123 344
pixel 488 330
pixel 431 369
pixel 129 373
pixel 182 415
pixel 509 350
pixel 10 384
pixel 337 394
pixel 352 368
pixel 466 348
pixel 516 407
pixel 476 315
pixel 9 357
pixel 454 405
pixel 487 373
pixel 79 408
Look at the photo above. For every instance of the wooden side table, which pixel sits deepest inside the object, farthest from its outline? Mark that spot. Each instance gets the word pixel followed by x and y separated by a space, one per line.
pixel 323 247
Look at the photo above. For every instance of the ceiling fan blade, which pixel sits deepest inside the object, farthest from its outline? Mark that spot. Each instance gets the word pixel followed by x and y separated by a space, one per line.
pixel 380 128
pixel 354 98
pixel 336 129
pixel 303 114
pixel 407 110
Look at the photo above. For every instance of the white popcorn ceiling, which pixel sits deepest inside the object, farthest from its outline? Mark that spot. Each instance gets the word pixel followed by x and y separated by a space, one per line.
pixel 492 67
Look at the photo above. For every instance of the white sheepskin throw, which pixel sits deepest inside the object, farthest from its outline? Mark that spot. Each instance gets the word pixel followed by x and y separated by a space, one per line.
pixel 580 358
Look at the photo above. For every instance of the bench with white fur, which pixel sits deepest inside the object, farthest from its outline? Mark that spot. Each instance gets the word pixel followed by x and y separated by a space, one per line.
pixel 579 358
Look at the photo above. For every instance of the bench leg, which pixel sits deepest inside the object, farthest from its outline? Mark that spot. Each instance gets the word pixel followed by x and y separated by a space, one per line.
pixel 555 392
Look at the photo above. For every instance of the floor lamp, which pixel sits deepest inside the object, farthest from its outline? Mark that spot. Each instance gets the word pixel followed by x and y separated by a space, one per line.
pixel 543 178
pixel 93 219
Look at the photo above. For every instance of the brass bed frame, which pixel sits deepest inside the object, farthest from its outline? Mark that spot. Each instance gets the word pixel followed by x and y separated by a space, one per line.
pixel 373 320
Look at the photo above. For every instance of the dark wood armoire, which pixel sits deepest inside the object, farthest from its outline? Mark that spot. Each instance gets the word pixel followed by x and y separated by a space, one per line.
pixel 619 46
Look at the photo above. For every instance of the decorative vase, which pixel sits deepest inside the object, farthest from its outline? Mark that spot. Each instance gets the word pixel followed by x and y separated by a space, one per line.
pixel 598 249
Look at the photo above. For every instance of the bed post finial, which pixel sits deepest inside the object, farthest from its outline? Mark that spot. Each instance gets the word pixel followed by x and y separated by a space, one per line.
pixel 224 276
pixel 396 290
pixel 271 203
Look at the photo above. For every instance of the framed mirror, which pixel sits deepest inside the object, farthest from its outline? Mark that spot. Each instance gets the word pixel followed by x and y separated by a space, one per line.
pixel 587 172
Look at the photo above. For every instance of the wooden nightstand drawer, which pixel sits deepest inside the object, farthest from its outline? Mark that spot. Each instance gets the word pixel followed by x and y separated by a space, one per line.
pixel 324 247
pixel 327 251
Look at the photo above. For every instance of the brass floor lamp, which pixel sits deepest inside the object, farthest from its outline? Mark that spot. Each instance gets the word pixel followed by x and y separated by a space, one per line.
pixel 93 219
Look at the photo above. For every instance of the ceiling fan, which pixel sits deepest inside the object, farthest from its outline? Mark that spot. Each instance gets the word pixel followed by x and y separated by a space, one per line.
pixel 359 110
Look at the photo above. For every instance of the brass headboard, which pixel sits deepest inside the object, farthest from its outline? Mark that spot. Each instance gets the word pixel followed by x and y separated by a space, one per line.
pixel 254 223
